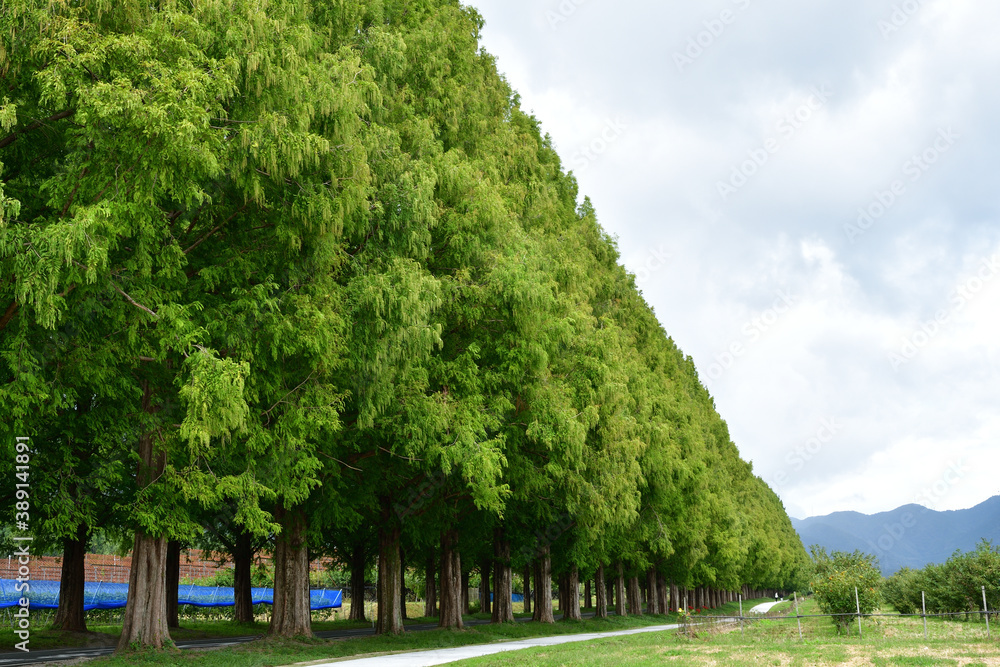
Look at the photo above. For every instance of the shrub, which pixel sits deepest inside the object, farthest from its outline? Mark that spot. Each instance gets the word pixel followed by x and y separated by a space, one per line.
pixel 902 591
pixel 836 578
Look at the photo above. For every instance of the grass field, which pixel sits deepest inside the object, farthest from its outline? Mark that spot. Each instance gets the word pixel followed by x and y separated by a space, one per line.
pixel 771 641
pixel 776 642
pixel 281 652
pixel 286 652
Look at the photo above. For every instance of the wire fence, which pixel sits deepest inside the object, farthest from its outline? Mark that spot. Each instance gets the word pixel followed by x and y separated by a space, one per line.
pixel 743 620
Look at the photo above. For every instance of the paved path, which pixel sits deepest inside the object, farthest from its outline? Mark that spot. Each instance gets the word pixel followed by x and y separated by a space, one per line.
pixel 444 656
pixel 764 608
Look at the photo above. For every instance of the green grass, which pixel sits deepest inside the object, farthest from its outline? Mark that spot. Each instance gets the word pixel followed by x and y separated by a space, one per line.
pixel 284 652
pixel 776 642
pixel 107 635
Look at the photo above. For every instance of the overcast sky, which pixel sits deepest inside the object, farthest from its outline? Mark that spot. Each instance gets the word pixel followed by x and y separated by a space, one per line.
pixel 808 195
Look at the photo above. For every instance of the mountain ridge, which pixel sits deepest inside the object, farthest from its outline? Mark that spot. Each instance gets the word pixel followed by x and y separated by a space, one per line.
pixel 909 536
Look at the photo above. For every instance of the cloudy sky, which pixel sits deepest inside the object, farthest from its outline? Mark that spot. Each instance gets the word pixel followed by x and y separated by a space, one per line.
pixel 808 195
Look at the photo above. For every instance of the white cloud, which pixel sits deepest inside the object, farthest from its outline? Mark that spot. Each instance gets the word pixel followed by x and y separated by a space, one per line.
pixel 656 186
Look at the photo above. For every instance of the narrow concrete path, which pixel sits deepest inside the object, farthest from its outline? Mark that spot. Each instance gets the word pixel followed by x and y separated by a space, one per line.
pixel 764 608
pixel 446 655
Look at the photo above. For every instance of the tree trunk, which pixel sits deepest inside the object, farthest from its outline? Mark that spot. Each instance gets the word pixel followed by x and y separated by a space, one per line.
pixel 652 594
pixel 145 621
pixel 70 616
pixel 561 592
pixel 664 590
pixel 620 592
pixel 402 583
pixel 290 613
pixel 503 578
pixel 173 581
pixel 390 616
pixel 527 588
pixel 587 597
pixel 144 624
pixel 451 582
pixel 242 577
pixel 430 603
pixel 634 597
pixel 601 588
pixel 572 596
pixel 359 567
pixel 543 588
pixel 466 609
pixel 485 566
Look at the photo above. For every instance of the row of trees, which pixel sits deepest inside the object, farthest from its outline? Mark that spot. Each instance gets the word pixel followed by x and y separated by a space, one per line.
pixel 845 583
pixel 953 587
pixel 302 275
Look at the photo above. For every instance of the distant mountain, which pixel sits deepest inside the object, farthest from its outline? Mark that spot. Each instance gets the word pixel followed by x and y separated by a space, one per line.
pixel 910 536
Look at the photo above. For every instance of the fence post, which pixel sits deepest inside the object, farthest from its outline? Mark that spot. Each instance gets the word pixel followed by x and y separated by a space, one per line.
pixel 986 611
pixel 798 619
pixel 923 602
pixel 741 615
pixel 857 601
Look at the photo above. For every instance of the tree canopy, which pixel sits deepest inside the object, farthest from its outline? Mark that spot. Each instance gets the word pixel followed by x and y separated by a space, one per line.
pixel 308 265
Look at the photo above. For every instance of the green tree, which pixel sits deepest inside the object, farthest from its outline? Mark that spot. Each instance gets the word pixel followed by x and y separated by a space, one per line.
pixel 839 577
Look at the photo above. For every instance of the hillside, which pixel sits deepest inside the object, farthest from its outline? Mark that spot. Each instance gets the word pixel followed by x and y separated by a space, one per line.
pixel 909 536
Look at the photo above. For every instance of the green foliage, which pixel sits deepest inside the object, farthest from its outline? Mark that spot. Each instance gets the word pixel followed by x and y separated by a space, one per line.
pixel 901 590
pixel 951 587
pixel 844 582
pixel 321 256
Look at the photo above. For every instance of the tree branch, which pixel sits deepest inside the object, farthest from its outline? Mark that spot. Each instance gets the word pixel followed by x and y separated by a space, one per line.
pixel 133 301
pixel 10 138
pixel 8 315
pixel 217 228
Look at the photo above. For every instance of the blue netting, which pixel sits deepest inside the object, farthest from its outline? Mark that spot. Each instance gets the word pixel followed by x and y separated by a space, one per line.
pixel 100 595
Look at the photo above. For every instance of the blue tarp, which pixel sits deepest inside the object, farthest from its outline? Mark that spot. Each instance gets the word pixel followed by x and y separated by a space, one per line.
pixel 100 595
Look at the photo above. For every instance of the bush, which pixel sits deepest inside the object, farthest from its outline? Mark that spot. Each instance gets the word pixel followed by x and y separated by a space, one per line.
pixel 838 576
pixel 902 591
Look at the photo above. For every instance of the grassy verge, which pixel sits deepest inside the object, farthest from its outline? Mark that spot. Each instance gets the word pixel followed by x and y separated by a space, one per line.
pixel 285 652
pixel 107 635
pixel 776 642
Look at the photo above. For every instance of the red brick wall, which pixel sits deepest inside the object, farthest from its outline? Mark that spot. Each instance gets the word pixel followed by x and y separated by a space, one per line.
pixel 115 569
